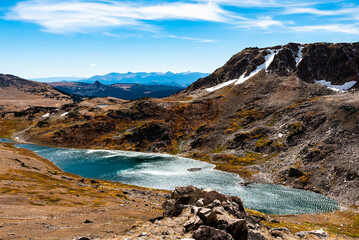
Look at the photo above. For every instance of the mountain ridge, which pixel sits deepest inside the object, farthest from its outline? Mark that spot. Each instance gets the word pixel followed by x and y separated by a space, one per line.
pixel 126 91
pixel 336 63
pixel 182 79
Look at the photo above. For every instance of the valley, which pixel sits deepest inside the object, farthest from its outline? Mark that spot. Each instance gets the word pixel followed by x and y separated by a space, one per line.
pixel 263 116
pixel 126 91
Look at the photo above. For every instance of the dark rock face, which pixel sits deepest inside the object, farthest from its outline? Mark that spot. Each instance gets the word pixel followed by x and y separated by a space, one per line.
pixel 335 63
pixel 284 62
pixel 209 207
pixel 150 133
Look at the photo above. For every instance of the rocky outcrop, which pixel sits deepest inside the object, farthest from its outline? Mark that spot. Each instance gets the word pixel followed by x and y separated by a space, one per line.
pixel 213 215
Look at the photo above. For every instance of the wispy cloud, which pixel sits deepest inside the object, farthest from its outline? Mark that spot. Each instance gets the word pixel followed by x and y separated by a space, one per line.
pixel 352 11
pixel 82 15
pixel 340 28
pixel 72 16
pixel 263 22
pixel 193 39
pixel 267 3
pixel 309 11
pixel 123 35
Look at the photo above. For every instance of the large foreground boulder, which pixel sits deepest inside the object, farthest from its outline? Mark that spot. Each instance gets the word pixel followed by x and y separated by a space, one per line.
pixel 215 215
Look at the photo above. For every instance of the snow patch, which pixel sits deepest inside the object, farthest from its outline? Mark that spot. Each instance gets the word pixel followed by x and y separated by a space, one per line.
pixel 64 114
pixel 46 115
pixel 211 89
pixel 299 57
pixel 268 60
pixel 346 86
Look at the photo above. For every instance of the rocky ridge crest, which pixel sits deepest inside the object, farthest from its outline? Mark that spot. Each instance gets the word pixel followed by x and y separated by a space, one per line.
pixel 335 63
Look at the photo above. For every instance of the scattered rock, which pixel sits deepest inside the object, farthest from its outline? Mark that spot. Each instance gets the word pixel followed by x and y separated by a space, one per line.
pixel 67 178
pixel 194 169
pixel 210 233
pixel 152 220
pixel 255 235
pixel 143 234
pixel 318 233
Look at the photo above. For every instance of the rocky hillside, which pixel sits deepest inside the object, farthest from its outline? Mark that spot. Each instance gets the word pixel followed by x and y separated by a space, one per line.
pixel 125 91
pixel 337 64
pixel 18 93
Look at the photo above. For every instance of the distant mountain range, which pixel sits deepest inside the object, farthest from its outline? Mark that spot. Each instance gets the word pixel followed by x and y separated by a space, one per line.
pixel 183 79
pixel 58 79
pixel 127 91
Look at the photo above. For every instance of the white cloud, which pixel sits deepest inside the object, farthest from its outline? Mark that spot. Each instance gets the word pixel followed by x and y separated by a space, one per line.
pixel 309 11
pixel 261 22
pixel 352 11
pixel 266 3
pixel 123 35
pixel 93 64
pixel 340 28
pixel 81 15
pixel 72 16
pixel 193 39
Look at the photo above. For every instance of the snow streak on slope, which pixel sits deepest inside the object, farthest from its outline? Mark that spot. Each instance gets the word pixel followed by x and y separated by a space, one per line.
pixel 211 89
pixel 268 60
pixel 346 86
pixel 299 55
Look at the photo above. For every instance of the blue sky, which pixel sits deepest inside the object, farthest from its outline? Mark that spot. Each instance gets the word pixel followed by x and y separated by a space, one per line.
pixel 45 38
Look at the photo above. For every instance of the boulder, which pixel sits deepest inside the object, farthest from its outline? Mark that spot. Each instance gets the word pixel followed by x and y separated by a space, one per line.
pixel 208 216
pixel 238 229
pixel 184 196
pixel 193 224
pixel 210 233
pixel 255 235
pixel 211 195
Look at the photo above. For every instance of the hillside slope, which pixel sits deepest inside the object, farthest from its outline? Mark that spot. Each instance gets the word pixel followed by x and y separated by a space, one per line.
pixel 18 93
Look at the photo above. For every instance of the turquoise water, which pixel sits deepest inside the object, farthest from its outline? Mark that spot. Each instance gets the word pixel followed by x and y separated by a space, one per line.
pixel 6 140
pixel 167 172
